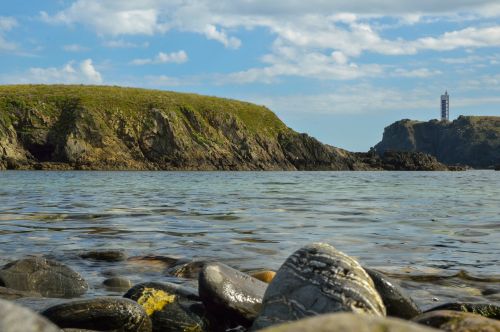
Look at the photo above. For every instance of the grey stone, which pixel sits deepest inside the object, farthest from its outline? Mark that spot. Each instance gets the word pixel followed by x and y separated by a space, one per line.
pixel 40 275
pixel 230 293
pixel 117 283
pixel 349 322
pixel 396 302
pixel 102 314
pixel 314 280
pixel 14 318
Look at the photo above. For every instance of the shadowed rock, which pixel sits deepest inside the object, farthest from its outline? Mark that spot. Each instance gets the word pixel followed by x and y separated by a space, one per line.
pixel 105 255
pixel 396 303
pixel 314 280
pixel 229 293
pixel 456 321
pixel 102 314
pixel 483 309
pixel 172 308
pixel 14 318
pixel 40 275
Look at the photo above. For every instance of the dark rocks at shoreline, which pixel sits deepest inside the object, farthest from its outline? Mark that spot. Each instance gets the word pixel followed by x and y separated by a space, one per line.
pixel 482 309
pixel 396 302
pixel 171 308
pixel 314 280
pixel 14 318
pixel 105 255
pixel 348 322
pixel 456 321
pixel 117 284
pixel 229 293
pixel 101 314
pixel 46 277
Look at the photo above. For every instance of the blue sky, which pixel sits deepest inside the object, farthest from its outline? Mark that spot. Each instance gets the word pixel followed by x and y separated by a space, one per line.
pixel 338 70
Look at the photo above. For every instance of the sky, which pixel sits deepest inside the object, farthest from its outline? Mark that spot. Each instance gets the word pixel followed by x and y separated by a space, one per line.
pixel 340 71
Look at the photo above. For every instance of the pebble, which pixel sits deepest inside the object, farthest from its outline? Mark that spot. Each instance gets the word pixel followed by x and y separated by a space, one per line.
pixel 102 314
pixel 227 292
pixel 396 302
pixel 456 321
pixel 314 280
pixel 349 322
pixel 14 318
pixel 46 277
pixel 265 276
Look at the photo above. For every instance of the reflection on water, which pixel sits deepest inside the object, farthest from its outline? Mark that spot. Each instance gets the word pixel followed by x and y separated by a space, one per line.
pixel 437 233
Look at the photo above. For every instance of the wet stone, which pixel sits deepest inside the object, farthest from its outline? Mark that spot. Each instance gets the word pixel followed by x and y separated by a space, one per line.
pixel 156 261
pixel 483 309
pixel 230 293
pixel 314 280
pixel 105 255
pixel 349 322
pixel 189 270
pixel 117 283
pixel 46 277
pixel 12 294
pixel 101 314
pixel 456 321
pixel 14 318
pixel 39 304
pixel 172 308
pixel 396 302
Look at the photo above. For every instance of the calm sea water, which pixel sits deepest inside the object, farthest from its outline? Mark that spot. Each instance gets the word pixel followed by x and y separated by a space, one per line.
pixel 436 233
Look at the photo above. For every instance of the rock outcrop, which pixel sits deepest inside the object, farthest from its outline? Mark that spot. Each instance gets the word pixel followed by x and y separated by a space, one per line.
pixel 469 140
pixel 111 128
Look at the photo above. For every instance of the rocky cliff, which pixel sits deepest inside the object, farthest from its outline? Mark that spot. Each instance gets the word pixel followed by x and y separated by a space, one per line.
pixel 90 127
pixel 469 140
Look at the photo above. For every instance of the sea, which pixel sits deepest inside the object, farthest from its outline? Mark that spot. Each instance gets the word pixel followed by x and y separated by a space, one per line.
pixel 436 234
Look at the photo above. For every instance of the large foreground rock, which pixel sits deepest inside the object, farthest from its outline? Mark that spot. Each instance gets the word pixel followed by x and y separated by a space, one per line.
pixel 230 293
pixel 456 321
pixel 46 277
pixel 349 322
pixel 314 280
pixel 14 318
pixel 101 314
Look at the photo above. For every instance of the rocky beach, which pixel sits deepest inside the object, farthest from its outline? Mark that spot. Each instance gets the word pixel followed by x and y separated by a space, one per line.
pixel 317 288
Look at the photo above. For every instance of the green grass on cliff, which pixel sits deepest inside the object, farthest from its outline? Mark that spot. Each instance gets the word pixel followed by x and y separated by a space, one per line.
pixel 132 102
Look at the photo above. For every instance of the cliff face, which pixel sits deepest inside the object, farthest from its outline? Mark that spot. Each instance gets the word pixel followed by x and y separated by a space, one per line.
pixel 88 127
pixel 469 140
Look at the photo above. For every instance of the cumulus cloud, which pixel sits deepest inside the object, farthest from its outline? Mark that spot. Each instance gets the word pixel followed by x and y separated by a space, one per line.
pixel 71 72
pixel 174 57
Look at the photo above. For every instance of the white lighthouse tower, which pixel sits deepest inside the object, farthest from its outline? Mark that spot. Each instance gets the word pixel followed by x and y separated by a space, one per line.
pixel 445 107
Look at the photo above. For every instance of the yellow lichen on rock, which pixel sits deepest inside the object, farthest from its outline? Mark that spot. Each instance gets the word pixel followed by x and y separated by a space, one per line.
pixel 153 300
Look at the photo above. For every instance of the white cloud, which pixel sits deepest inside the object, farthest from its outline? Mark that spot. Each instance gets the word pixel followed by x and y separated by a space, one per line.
pixel 6 24
pixel 75 48
pixel 416 73
pixel 120 43
pixel 174 57
pixel 71 72
pixel 211 32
